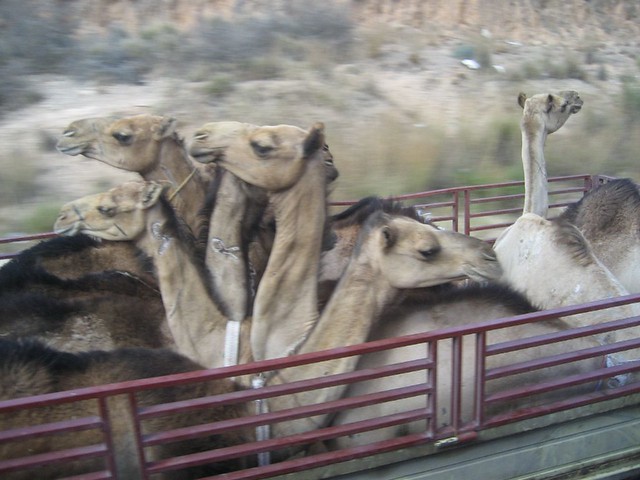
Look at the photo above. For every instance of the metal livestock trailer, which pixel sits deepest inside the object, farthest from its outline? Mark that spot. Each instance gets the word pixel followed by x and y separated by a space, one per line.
pixel 589 432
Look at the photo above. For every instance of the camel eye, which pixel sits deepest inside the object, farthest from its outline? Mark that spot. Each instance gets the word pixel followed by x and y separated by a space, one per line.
pixel 430 253
pixel 123 138
pixel 261 150
pixel 107 211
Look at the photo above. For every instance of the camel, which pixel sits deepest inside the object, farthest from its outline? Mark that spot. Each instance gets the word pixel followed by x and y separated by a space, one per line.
pixel 79 311
pixel 286 302
pixel 138 212
pixel 550 261
pixel 608 218
pixel 147 144
pixel 607 215
pixel 30 368
pixel 70 258
pixel 86 319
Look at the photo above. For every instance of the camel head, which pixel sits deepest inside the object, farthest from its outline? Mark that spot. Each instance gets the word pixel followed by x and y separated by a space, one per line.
pixel 118 214
pixel 81 137
pixel 219 141
pixel 548 110
pixel 411 254
pixel 131 143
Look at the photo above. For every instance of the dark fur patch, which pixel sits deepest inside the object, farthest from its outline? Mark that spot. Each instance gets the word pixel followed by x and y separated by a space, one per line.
pixel 568 236
pixel 357 213
pixel 30 351
pixel 603 207
pixel 495 293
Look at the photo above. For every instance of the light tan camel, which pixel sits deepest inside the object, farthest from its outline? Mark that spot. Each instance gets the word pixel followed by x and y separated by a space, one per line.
pixel 30 368
pixel 136 211
pixel 550 261
pixel 607 216
pixel 147 144
pixel 270 157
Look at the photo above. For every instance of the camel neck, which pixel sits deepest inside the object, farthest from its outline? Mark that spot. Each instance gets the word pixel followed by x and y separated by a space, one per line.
pixel 225 256
pixel 535 172
pixel 187 186
pixel 195 321
pixel 347 319
pixel 286 304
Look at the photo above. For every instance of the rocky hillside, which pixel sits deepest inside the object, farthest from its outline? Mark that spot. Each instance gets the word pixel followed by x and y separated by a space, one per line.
pixel 531 21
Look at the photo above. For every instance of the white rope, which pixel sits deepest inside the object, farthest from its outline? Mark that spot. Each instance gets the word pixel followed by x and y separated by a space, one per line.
pixel 231 343
pixel 263 432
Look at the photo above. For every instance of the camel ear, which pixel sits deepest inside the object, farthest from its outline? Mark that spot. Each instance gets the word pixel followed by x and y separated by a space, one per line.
pixel 151 192
pixel 388 236
pixel 314 140
pixel 522 97
pixel 549 103
pixel 165 128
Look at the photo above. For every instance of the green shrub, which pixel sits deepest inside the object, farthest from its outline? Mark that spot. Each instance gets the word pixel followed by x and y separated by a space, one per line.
pixel 630 100
pixel 219 86
pixel 17 183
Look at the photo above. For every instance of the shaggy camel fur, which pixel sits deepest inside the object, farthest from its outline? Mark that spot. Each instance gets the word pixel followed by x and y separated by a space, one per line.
pixel 30 368
pixel 79 311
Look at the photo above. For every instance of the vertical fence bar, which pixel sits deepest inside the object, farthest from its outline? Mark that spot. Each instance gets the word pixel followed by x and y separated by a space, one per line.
pixel 108 435
pixel 456 381
pixel 142 461
pixel 432 376
pixel 467 211
pixel 456 212
pixel 479 384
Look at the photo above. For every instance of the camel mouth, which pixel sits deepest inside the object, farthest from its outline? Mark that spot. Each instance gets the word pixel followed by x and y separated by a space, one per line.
pixel 72 150
pixel 207 155
pixel 66 231
pixel 490 273
pixel 576 108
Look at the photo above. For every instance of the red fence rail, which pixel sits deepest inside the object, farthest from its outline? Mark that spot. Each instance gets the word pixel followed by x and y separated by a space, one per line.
pixel 440 381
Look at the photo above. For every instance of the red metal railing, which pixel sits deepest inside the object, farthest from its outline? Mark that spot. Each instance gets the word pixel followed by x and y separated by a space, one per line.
pixel 474 210
pixel 463 423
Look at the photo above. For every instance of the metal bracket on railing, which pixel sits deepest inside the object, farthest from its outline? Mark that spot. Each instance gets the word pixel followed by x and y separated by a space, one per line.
pixel 447 442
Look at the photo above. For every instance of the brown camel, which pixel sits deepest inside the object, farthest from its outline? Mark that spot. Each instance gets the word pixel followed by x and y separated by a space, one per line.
pixel 607 215
pixel 95 310
pixel 29 368
pixel 271 158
